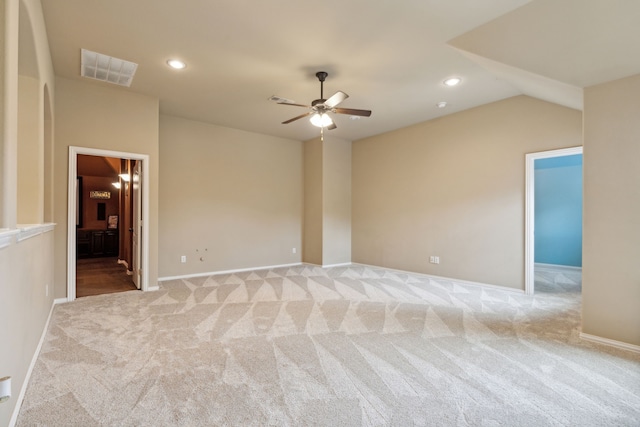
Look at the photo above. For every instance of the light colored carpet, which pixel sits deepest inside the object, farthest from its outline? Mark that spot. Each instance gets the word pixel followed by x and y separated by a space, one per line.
pixel 306 346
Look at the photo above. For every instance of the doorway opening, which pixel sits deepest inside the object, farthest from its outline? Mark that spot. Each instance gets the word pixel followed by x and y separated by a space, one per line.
pixel 557 268
pixel 107 238
pixel 104 221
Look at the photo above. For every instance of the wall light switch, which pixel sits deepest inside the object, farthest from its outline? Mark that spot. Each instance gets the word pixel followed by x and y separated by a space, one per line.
pixel 183 259
pixel 294 251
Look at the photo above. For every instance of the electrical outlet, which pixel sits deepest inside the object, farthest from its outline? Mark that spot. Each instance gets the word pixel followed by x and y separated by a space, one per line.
pixel 434 259
pixel 183 259
pixel 294 251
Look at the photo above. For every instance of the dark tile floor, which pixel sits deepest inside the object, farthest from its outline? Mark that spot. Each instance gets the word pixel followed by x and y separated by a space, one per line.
pixel 96 276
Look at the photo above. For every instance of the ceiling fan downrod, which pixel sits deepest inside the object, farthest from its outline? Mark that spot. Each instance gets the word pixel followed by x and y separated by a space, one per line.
pixel 322 75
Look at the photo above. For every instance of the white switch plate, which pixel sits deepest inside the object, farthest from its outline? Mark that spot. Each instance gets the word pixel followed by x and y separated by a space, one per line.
pixel 183 259
pixel 294 250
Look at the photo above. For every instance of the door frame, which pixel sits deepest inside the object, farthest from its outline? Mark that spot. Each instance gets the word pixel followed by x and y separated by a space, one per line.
pixel 530 209
pixel 137 223
pixel 71 212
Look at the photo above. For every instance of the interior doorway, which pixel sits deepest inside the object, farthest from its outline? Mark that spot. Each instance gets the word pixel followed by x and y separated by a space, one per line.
pixel 530 213
pixel 104 219
pixel 109 236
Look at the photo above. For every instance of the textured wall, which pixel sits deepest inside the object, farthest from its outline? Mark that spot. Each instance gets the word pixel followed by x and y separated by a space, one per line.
pixel 611 252
pixel 101 117
pixel 454 188
pixel 230 197
pixel 312 219
pixel 336 197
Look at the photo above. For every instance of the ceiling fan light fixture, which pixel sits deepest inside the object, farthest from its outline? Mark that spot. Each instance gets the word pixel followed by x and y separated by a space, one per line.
pixel 321 120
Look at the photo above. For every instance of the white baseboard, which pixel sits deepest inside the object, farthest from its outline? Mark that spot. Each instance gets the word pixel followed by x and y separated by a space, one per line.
pixel 216 273
pixel 123 262
pixel 557 267
pixel 451 279
pixel 612 343
pixel 343 264
pixel 153 288
pixel 34 359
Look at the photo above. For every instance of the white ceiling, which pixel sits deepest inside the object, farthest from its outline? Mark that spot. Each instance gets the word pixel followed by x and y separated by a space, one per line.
pixel 390 57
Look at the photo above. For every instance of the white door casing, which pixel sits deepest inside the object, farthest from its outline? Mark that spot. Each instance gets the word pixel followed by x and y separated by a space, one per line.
pixel 530 209
pixel 137 222
pixel 71 213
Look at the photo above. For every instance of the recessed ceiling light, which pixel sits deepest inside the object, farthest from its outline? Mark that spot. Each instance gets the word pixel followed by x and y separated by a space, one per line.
pixel 441 104
pixel 452 81
pixel 176 64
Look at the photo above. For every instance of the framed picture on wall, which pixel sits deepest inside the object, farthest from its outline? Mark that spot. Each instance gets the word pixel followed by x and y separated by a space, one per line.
pixel 112 222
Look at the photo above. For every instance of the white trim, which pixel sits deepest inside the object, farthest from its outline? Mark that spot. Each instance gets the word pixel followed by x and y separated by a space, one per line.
pixel 31 230
pixel 125 263
pixel 431 276
pixel 71 210
pixel 34 359
pixel 217 273
pixel 344 264
pixel 71 224
pixel 59 301
pixel 153 288
pixel 6 237
pixel 529 208
pixel 544 266
pixel 612 343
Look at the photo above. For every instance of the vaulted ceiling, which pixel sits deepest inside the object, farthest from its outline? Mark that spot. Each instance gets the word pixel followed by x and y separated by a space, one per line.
pixel 390 57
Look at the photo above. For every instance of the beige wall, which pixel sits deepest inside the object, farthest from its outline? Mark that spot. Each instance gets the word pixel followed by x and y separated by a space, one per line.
pixel 313 203
pixel 2 112
pixel 611 227
pixel 26 270
pixel 30 152
pixel 336 201
pixel 454 187
pixel 230 197
pixel 327 201
pixel 109 118
pixel 26 267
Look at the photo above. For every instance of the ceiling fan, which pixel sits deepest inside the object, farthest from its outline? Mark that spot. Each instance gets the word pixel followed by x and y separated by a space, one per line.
pixel 319 108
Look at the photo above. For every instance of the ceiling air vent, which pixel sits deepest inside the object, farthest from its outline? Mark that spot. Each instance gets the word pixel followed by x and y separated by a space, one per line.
pixel 107 68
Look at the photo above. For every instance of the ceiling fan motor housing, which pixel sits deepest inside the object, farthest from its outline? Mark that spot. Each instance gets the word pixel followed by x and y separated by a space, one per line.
pixel 322 75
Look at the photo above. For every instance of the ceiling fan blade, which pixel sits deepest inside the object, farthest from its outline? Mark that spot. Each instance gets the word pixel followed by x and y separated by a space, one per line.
pixel 294 104
pixel 298 117
pixel 332 126
pixel 335 99
pixel 352 112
